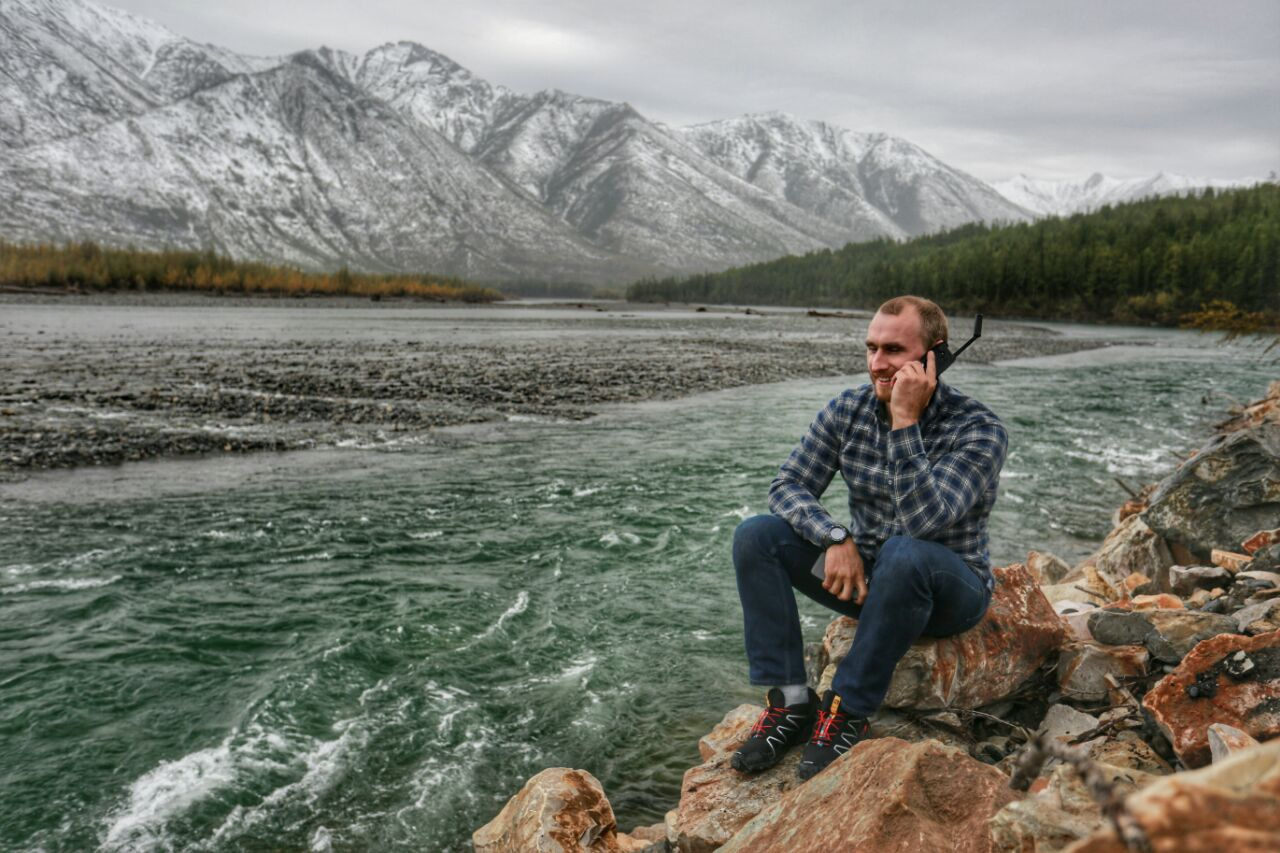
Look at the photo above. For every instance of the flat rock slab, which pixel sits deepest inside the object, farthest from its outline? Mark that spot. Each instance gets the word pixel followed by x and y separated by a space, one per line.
pixel 1251 703
pixel 981 666
pixel 884 795
pixel 1167 634
pixel 1233 806
pixel 1083 668
pixel 716 801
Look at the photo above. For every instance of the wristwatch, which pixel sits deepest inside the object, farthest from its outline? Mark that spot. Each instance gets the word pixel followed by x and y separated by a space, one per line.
pixel 837 534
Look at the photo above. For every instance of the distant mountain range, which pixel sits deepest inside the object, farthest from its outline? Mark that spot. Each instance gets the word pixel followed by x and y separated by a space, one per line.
pixel 1045 197
pixel 118 130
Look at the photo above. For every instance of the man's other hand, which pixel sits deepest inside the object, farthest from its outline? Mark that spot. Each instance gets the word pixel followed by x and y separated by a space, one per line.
pixel 913 385
pixel 844 575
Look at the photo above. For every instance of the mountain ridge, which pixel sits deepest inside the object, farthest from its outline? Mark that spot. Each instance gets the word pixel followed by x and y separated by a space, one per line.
pixel 127 132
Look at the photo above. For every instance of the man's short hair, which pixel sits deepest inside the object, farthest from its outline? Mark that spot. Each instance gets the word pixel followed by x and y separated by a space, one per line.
pixel 933 323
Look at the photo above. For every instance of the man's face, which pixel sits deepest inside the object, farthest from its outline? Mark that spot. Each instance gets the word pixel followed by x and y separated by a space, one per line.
pixel 892 341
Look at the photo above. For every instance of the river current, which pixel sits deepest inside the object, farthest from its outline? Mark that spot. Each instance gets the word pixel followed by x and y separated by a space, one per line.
pixel 373 648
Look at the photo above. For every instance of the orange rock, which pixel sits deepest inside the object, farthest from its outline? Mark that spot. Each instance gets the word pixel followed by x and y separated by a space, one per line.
pixel 884 795
pixel 557 810
pixel 1160 601
pixel 1229 560
pixel 978 667
pixel 1251 704
pixel 1134 581
pixel 1261 539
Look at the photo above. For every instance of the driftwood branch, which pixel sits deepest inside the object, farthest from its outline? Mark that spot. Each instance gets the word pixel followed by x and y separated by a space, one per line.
pixel 1042 748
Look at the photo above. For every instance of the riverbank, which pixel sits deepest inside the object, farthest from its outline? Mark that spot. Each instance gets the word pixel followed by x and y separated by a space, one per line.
pixel 110 378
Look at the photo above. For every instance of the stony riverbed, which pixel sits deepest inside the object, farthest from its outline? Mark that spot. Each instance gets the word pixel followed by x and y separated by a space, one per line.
pixel 109 379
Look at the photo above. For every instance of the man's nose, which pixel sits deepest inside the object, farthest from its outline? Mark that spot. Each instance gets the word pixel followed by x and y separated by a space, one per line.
pixel 878 361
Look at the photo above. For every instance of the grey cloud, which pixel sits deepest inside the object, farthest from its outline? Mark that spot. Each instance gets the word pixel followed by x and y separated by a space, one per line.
pixel 992 87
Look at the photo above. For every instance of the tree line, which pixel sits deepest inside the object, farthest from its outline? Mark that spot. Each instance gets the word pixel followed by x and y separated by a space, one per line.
pixel 1155 261
pixel 89 266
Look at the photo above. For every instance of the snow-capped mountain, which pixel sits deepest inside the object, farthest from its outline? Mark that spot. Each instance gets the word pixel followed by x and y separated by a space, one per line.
pixel 118 130
pixel 872 184
pixel 1047 197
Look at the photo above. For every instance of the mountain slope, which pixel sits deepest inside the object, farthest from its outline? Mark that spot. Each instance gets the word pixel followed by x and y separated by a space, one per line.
pixel 283 164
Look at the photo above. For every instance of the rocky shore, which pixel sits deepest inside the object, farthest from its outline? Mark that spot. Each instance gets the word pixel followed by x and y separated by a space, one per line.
pixel 1129 702
pixel 78 388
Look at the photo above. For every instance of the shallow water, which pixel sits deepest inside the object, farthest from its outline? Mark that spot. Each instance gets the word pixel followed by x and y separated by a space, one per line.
pixel 374 648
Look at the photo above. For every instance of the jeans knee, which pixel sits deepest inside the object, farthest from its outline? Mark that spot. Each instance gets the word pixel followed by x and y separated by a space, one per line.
pixel 755 535
pixel 900 558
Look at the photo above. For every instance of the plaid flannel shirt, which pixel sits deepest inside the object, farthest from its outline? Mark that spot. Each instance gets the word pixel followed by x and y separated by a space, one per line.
pixel 933 480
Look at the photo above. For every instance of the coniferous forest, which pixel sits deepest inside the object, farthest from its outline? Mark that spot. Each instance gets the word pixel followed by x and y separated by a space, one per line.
pixel 1157 261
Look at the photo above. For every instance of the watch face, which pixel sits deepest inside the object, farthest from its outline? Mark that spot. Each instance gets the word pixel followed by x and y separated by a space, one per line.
pixel 837 534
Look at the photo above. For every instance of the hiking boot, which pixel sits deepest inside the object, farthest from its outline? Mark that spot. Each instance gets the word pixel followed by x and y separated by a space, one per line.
pixel 834 734
pixel 779 728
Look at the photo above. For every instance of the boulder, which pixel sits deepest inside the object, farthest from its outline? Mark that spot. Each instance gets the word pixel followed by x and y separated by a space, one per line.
pixel 1083 666
pixel 1266 559
pixel 1261 618
pixel 1176 632
pixel 884 795
pixel 1062 812
pixel 1046 568
pixel 1184 580
pixel 1214 684
pixel 1226 741
pixel 978 667
pixel 1223 495
pixel 1130 548
pixel 715 799
pixel 558 810
pixel 1233 806
pixel 1167 634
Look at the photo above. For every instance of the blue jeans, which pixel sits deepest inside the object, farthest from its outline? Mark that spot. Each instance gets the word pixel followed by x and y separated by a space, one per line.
pixel 915 588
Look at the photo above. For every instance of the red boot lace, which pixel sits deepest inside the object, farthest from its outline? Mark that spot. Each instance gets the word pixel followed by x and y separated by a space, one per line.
pixel 768 718
pixel 822 731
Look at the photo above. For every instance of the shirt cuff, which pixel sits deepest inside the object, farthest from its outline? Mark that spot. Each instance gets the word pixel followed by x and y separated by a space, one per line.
pixel 905 443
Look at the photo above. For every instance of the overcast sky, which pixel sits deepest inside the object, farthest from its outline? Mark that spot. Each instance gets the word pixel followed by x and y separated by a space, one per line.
pixel 1053 89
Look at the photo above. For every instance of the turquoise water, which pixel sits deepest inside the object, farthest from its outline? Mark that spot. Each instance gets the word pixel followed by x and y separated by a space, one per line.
pixel 374 648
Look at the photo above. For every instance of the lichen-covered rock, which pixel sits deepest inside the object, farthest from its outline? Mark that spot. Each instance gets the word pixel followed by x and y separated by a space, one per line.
pixel 1223 495
pixel 978 667
pixel 884 795
pixel 1082 668
pixel 1233 806
pixel 1214 684
pixel 557 811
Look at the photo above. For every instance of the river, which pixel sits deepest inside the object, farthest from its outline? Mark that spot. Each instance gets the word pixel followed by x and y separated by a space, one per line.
pixel 373 648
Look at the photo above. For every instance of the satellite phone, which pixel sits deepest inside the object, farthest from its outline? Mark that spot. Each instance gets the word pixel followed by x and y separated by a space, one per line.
pixel 943 358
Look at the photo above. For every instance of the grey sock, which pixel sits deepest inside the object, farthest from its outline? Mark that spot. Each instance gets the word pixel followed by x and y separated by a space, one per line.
pixel 795 694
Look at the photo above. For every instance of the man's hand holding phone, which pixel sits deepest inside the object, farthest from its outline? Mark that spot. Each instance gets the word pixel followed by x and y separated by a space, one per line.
pixel 913 386
pixel 844 576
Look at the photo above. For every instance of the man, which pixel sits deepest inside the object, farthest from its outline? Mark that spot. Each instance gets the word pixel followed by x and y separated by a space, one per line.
pixel 922 463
